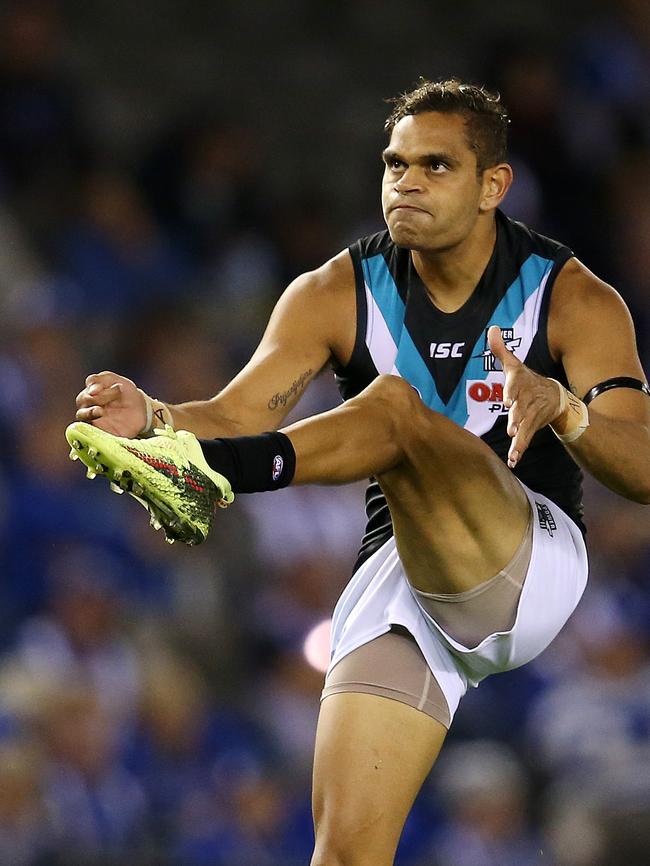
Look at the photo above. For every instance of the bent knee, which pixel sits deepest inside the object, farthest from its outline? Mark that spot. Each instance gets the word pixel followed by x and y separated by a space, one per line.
pixel 414 423
pixel 392 388
pixel 398 398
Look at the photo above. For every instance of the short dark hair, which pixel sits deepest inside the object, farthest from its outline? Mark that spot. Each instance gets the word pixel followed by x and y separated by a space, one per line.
pixel 486 118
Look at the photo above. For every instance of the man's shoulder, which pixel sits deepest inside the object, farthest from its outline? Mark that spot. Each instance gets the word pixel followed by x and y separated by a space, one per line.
pixel 582 303
pixel 577 285
pixel 336 274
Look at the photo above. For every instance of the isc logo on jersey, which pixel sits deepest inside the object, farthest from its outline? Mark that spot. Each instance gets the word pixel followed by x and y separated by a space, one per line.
pixel 446 350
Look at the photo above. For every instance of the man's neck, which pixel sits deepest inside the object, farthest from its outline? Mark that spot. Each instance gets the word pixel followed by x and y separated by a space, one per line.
pixel 450 276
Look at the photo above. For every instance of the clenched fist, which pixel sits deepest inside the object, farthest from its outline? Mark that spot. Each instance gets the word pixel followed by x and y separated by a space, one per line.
pixel 113 403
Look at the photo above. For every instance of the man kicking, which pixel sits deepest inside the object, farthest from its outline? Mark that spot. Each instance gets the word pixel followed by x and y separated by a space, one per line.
pixel 481 365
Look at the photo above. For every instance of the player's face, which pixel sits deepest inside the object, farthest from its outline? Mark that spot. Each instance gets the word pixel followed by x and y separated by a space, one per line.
pixel 431 192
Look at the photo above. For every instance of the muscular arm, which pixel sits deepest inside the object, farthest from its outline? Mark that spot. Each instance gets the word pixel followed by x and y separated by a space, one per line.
pixel 313 322
pixel 592 334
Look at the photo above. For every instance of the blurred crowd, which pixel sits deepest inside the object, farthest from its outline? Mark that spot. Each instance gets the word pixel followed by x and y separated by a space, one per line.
pixel 158 704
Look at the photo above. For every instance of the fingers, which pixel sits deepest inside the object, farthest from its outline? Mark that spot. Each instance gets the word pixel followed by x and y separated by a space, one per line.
pixel 105 378
pixel 96 394
pixel 102 389
pixel 519 427
pixel 89 413
pixel 510 365
pixel 531 399
pixel 525 417
pixel 518 430
pixel 100 417
pixel 113 403
pixel 500 350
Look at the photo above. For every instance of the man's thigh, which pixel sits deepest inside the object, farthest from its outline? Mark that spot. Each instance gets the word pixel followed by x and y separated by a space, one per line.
pixel 372 756
pixel 458 512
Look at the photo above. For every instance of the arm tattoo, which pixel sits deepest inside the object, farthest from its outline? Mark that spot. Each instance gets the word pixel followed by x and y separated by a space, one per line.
pixel 281 399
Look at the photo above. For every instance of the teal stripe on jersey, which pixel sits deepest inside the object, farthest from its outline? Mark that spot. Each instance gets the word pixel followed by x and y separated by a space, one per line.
pixel 506 313
pixel 409 363
pixel 382 285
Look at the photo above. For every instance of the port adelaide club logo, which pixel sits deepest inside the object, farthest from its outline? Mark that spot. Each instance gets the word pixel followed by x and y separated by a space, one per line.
pixel 489 361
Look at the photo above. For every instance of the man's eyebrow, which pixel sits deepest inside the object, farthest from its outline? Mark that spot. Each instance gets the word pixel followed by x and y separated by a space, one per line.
pixel 389 155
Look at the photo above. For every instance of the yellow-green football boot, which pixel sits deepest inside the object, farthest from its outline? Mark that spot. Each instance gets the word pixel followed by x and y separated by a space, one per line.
pixel 167 473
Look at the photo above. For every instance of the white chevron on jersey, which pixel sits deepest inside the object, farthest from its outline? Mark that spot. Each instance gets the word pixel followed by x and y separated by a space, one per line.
pixel 484 408
pixel 381 345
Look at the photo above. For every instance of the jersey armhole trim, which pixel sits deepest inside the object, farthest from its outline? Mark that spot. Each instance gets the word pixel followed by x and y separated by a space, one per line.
pixel 361 312
pixel 542 327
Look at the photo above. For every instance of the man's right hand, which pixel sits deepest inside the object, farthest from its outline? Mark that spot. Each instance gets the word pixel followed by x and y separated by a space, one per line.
pixel 113 403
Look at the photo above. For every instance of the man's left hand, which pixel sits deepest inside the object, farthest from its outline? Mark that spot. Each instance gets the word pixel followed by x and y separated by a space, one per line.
pixel 532 401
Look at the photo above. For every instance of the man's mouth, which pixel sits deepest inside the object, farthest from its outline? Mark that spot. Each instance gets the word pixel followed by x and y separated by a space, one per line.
pixel 408 207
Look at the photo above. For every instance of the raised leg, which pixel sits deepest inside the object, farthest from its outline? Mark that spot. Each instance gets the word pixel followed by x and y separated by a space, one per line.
pixel 372 756
pixel 458 512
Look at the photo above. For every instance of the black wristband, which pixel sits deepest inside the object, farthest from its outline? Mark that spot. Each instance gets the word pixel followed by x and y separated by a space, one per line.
pixel 252 464
pixel 617 382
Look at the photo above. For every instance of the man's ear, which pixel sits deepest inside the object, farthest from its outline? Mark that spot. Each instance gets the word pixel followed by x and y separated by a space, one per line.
pixel 496 183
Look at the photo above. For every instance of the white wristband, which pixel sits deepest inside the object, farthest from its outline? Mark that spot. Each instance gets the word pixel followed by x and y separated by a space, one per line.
pixel 156 411
pixel 573 417
pixel 148 423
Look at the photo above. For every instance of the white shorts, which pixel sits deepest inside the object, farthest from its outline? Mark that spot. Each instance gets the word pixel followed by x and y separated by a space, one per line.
pixel 379 596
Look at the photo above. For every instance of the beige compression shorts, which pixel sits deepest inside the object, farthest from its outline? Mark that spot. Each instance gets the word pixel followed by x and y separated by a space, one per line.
pixel 392 664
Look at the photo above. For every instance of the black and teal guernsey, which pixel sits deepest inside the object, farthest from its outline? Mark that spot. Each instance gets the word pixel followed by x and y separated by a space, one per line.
pixel 445 356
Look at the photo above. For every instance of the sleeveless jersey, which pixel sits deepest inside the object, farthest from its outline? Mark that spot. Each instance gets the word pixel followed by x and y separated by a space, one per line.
pixel 445 356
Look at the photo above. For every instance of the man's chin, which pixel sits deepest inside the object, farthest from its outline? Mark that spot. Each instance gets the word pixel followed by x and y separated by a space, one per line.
pixel 407 238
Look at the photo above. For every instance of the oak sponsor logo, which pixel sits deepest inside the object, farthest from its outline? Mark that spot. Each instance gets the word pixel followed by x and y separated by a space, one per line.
pixel 486 397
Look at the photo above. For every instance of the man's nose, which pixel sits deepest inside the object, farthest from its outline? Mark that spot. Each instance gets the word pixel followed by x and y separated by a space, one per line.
pixel 410 181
